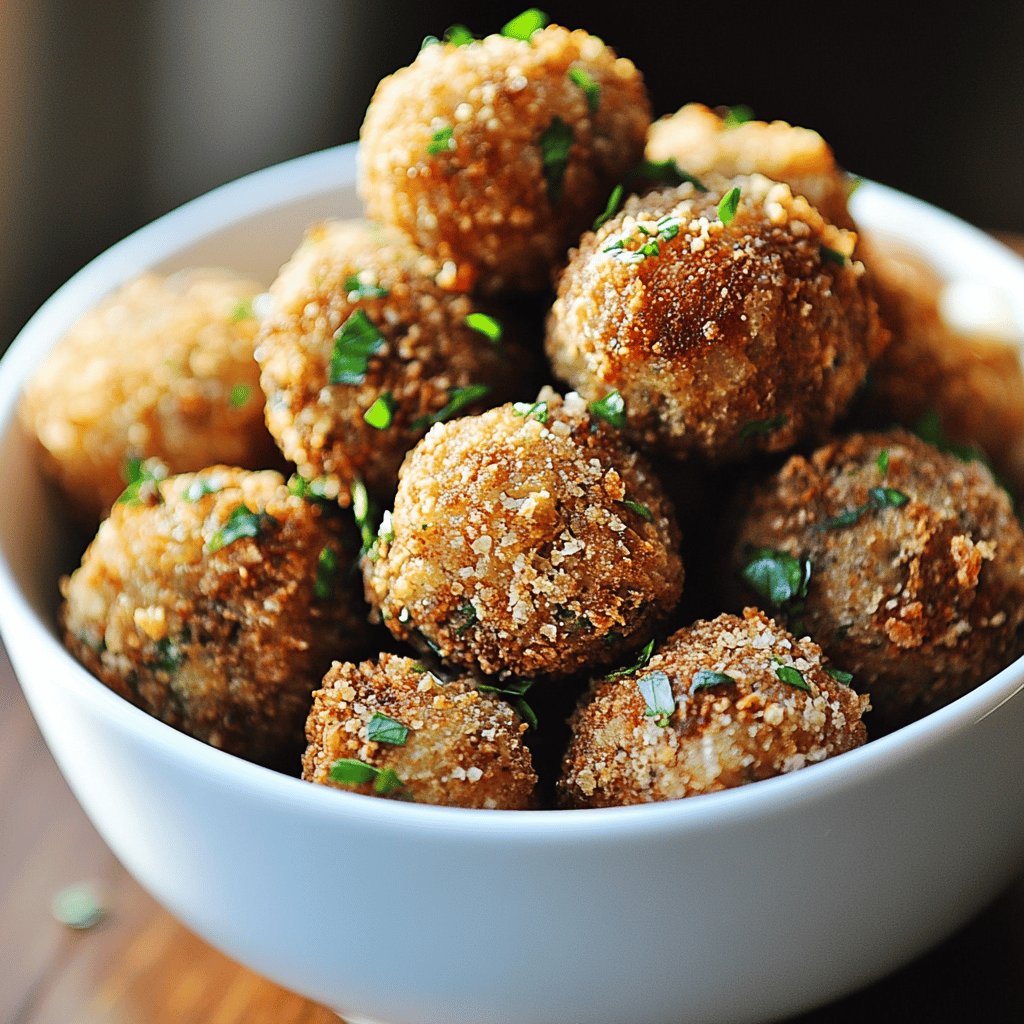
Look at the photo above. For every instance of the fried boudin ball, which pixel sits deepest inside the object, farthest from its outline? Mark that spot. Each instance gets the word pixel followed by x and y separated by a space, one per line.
pixel 214 601
pixel 497 154
pixel 162 368
pixel 905 563
pixel 724 334
pixel 704 142
pixel 721 704
pixel 362 349
pixel 527 540
pixel 400 731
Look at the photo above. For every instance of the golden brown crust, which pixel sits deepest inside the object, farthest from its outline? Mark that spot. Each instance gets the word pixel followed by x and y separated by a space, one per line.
pixel 719 736
pixel 464 748
pixel 428 352
pixel 515 550
pixel 225 645
pixel 728 339
pixel 921 601
pixel 702 142
pixel 485 202
pixel 162 368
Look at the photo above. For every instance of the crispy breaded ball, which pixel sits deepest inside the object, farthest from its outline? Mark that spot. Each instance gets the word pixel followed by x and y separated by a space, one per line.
pixel 498 153
pixel 423 739
pixel 723 339
pixel 527 540
pixel 911 566
pixel 162 368
pixel 970 386
pixel 359 305
pixel 721 704
pixel 215 601
pixel 705 142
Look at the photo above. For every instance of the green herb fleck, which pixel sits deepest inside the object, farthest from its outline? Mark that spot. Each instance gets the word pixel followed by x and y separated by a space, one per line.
pixel 441 141
pixel 169 656
pixel 239 395
pixel 429 41
pixel 358 290
pixel 642 659
pixel 485 325
pixel 929 428
pixel 522 26
pixel 515 691
pixel 665 172
pixel 705 679
pixel 792 677
pixel 310 490
pixel 760 428
pixel 350 772
pixel 143 477
pixel 840 676
pixel 539 410
pixel 639 508
pixel 656 690
pixel 832 256
pixel 728 205
pixel 201 486
pixel 326 572
pixel 458 35
pixel 887 497
pixel 241 522
pixel 78 906
pixel 381 413
pixel 458 399
pixel 242 311
pixel 611 409
pixel 386 730
pixel 365 513
pixel 611 207
pixel 591 89
pixel 777 576
pixel 357 339
pixel 467 612
pixel 555 144
pixel 740 114
pixel 882 462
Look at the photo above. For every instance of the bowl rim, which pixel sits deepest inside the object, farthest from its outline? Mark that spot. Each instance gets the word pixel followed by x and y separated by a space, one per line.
pixel 326 171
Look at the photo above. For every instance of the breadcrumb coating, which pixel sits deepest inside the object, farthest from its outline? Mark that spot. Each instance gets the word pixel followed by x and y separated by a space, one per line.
pixel 469 150
pixel 921 595
pixel 225 643
pixel 464 748
pixel 162 368
pixel 355 268
pixel 725 733
pixel 703 142
pixel 723 339
pixel 526 543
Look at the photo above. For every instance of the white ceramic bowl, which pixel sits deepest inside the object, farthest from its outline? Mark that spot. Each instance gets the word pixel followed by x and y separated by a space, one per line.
pixel 741 906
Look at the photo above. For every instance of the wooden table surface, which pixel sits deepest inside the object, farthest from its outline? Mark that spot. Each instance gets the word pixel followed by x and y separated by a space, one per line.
pixel 140 966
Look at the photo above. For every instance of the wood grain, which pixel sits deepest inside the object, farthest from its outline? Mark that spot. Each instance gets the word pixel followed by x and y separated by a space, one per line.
pixel 140 966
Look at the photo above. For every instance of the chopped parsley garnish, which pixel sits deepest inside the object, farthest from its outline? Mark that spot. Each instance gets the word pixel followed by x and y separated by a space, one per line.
pixel 740 114
pixel 458 399
pixel 929 428
pixel 386 730
pixel 201 486
pixel 485 325
pixel 351 772
pixel 792 677
pixel 832 256
pixel 611 207
pixel 887 497
pixel 429 41
pixel 467 613
pixel 310 490
pixel 241 522
pixel 639 508
pixel 358 290
pixel 169 656
pixel 441 141
pixel 539 410
pixel 665 172
pixel 611 409
pixel 365 514
pixel 882 462
pixel 326 573
pixel 514 691
pixel 759 428
pixel 357 339
pixel 840 676
pixel 239 395
pixel 458 35
pixel 728 205
pixel 555 144
pixel 242 311
pixel 592 90
pixel 705 679
pixel 522 26
pixel 642 659
pixel 777 576
pixel 665 229
pixel 143 477
pixel 878 498
pixel 656 690
pixel 78 906
pixel 381 413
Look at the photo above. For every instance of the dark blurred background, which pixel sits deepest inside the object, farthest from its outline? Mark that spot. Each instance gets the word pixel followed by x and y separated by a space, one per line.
pixel 113 112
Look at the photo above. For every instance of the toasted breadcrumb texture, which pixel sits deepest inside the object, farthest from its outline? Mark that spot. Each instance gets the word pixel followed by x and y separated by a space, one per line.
pixel 459 150
pixel 921 600
pixel 162 368
pixel 724 340
pixel 526 543
pixel 222 638
pixel 703 142
pixel 347 268
pixel 464 748
pixel 716 737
